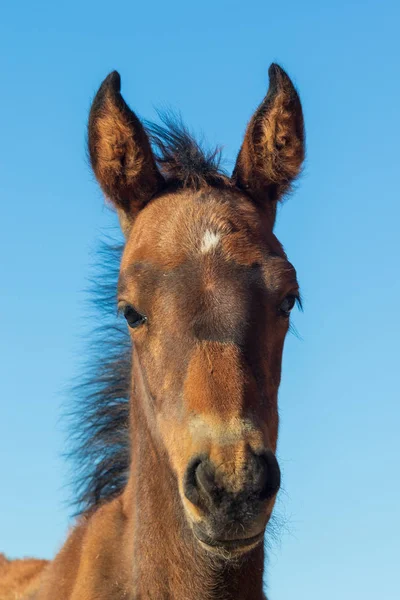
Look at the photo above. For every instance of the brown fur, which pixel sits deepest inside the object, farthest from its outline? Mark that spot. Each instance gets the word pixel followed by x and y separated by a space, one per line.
pixel 273 149
pixel 202 264
pixel 19 578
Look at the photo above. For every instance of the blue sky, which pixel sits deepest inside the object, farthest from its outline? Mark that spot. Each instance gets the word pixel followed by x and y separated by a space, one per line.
pixel 339 444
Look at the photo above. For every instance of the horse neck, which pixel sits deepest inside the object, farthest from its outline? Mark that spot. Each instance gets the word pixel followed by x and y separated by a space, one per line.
pixel 167 562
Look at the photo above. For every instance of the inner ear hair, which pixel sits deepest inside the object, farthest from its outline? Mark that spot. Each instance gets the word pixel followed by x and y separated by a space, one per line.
pixel 273 149
pixel 120 152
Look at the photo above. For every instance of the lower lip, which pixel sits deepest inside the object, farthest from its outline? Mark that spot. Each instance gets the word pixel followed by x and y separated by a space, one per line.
pixel 231 544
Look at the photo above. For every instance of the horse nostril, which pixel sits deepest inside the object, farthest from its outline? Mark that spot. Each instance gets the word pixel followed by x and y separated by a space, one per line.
pixel 269 475
pixel 199 484
pixel 206 482
pixel 190 483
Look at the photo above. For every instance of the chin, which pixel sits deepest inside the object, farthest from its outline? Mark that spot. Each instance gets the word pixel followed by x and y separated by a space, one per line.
pixel 228 548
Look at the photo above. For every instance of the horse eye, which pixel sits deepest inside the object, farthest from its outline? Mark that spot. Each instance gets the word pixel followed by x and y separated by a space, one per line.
pixel 133 317
pixel 287 305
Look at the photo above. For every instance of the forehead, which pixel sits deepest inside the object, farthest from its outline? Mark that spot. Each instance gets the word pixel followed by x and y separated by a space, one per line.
pixel 176 228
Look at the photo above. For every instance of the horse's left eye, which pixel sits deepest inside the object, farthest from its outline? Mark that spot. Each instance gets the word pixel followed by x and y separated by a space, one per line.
pixel 133 317
pixel 287 305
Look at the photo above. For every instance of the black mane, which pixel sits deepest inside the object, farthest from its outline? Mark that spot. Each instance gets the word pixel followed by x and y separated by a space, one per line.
pixel 99 433
pixel 183 160
pixel 99 436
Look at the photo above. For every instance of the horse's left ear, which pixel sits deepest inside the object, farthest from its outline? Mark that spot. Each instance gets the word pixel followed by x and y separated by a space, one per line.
pixel 273 148
pixel 120 153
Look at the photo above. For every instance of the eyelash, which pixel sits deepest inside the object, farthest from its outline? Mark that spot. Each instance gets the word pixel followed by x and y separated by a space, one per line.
pixel 291 300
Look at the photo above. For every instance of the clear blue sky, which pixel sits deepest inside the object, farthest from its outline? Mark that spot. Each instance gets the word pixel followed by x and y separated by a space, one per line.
pixel 339 401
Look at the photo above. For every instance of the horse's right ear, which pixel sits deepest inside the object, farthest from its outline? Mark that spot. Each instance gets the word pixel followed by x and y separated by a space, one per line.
pixel 120 153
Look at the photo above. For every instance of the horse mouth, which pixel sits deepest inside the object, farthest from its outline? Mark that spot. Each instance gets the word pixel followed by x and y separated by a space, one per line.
pixel 229 545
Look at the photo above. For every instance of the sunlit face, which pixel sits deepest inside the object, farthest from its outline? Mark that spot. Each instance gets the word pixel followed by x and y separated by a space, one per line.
pixel 207 290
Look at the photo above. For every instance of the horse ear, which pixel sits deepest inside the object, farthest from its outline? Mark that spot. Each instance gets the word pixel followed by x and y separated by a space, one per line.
pixel 120 152
pixel 273 148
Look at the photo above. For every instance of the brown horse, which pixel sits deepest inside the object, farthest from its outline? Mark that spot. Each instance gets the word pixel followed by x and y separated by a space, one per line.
pixel 178 502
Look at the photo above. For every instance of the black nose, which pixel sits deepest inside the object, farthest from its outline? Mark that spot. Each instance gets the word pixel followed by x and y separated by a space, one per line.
pixel 205 487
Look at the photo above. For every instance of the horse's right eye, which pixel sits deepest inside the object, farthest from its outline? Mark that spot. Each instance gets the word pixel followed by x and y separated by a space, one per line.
pixel 133 317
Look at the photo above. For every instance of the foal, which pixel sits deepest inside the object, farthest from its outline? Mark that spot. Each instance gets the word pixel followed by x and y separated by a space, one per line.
pixel 206 290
